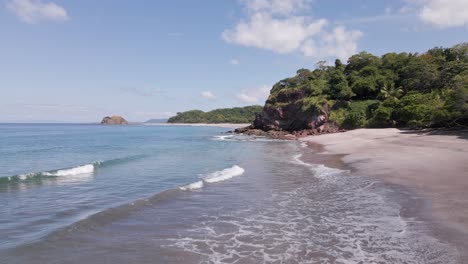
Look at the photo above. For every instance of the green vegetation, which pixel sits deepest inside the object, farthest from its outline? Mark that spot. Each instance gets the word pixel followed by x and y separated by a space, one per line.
pixel 394 90
pixel 225 115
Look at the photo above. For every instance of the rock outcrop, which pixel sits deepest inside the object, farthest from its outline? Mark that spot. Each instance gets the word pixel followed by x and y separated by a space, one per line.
pixel 114 120
pixel 291 111
pixel 291 118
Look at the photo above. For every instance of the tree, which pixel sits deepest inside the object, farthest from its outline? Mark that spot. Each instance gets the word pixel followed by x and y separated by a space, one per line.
pixel 361 60
pixel 420 74
pixel 390 92
pixel 339 88
pixel 367 82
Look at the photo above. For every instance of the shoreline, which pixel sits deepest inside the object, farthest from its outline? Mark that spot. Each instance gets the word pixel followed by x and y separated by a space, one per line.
pixel 224 125
pixel 431 165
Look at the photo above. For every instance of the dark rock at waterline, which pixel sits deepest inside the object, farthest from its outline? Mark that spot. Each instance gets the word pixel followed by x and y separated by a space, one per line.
pixel 291 122
pixel 288 135
pixel 290 119
pixel 114 120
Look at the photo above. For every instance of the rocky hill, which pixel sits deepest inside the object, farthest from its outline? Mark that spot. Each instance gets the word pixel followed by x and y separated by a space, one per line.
pixel 394 90
pixel 114 120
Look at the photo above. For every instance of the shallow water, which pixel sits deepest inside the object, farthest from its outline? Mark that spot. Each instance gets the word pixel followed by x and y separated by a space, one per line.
pixel 190 195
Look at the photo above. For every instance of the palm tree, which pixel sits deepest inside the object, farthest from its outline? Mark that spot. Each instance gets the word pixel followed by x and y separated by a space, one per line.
pixel 390 92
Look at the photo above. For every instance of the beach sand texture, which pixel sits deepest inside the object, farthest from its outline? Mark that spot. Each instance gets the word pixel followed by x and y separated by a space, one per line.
pixel 434 164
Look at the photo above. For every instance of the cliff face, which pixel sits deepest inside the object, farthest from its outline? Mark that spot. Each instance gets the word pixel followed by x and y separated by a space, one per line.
pixel 114 120
pixel 289 116
pixel 290 109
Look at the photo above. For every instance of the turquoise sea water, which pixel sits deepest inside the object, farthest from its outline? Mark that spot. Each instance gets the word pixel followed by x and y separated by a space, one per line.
pixel 120 164
pixel 162 194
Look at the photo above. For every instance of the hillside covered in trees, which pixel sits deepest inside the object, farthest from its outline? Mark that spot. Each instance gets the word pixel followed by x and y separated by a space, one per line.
pixel 224 115
pixel 395 90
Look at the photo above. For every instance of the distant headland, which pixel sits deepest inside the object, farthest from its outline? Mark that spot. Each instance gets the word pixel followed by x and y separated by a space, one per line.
pixel 236 115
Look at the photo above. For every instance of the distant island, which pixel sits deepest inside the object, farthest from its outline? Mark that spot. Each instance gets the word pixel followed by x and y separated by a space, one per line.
pixel 403 90
pixel 114 120
pixel 237 115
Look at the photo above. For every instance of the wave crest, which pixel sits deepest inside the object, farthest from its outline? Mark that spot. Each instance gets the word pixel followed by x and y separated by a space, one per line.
pixel 85 169
pixel 193 186
pixel 213 177
pixel 223 175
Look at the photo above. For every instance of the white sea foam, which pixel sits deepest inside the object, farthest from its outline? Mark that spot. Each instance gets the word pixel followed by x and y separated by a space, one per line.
pixel 320 170
pixel 223 137
pixel 23 177
pixel 223 175
pixel 193 186
pixel 297 159
pixel 213 177
pixel 338 221
pixel 85 169
pixel 244 138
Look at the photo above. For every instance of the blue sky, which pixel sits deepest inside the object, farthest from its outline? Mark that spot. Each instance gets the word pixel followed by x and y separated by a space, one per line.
pixel 77 61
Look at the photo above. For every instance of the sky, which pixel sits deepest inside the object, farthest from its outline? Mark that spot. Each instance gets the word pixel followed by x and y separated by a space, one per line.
pixel 78 61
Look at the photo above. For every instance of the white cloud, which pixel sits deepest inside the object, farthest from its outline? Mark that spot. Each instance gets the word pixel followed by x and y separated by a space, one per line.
pixel 33 11
pixel 208 95
pixel 338 43
pixel 258 95
pixel 444 13
pixel 285 32
pixel 234 61
pixel 282 35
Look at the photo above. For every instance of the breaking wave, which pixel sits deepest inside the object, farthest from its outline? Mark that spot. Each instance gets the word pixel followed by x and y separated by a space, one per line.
pixel 193 186
pixel 213 177
pixel 78 171
pixel 223 175
pixel 84 170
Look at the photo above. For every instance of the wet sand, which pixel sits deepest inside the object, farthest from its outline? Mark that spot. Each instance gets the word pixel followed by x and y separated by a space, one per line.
pixel 433 164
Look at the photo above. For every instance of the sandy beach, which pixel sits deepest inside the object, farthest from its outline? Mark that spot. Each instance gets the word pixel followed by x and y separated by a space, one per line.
pixel 433 164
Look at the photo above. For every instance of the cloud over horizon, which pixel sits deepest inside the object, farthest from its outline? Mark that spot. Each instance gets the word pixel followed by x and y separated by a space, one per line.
pixel 34 11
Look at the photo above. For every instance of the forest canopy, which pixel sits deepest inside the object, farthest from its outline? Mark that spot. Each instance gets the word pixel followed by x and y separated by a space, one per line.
pixel 394 90
pixel 224 115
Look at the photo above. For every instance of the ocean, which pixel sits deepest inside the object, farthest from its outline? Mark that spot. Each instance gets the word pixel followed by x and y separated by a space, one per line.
pixel 167 194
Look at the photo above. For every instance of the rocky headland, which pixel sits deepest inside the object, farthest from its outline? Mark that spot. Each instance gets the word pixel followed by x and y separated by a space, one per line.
pixel 291 113
pixel 395 90
pixel 290 122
